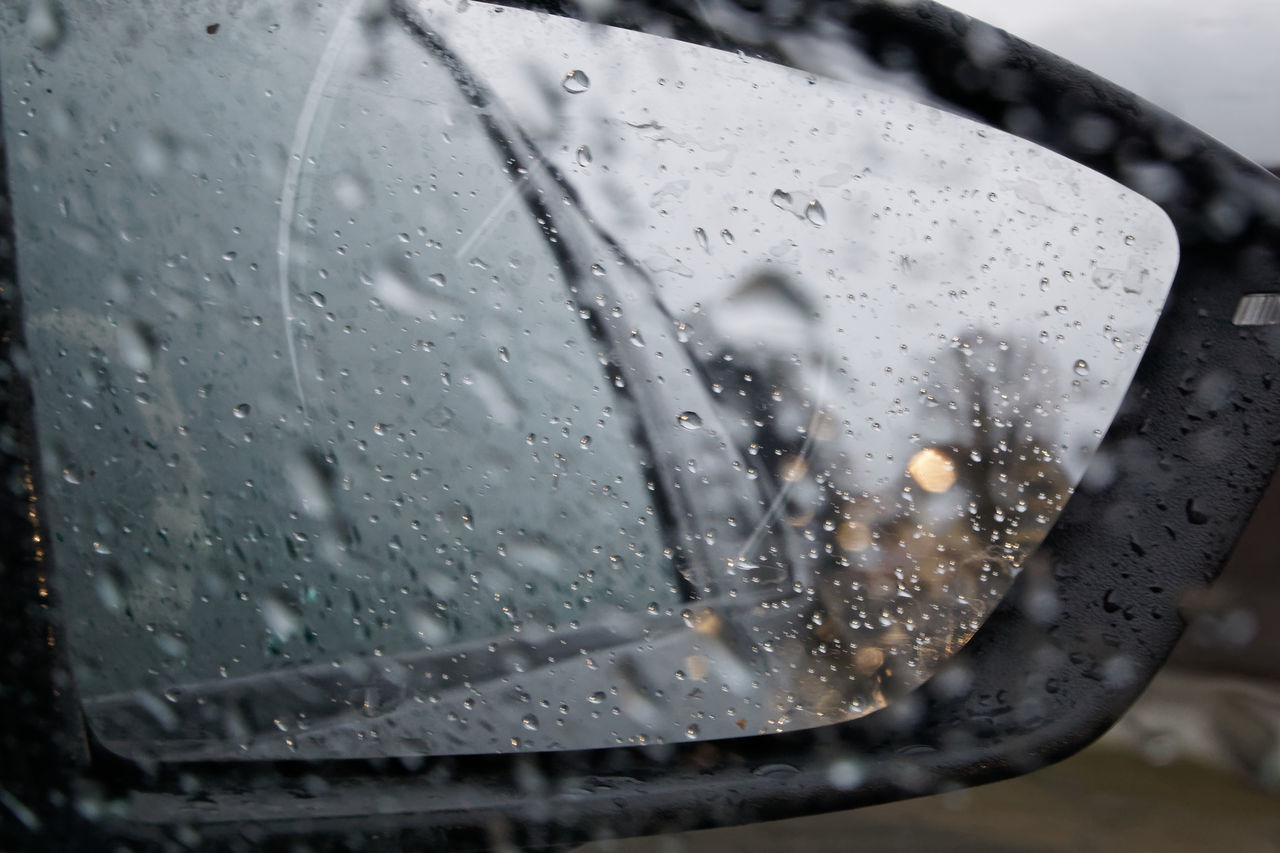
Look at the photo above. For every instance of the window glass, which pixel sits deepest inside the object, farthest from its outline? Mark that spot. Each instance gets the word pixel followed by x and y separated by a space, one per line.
pixel 407 386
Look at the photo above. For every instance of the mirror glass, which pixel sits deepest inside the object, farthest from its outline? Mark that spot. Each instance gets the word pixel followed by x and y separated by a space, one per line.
pixel 454 379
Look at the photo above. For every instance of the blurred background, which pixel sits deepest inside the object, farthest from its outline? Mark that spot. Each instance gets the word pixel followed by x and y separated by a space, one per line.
pixel 1195 764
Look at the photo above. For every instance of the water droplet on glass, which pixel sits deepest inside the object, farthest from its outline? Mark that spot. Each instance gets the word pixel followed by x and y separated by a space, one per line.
pixel 530 722
pixel 815 213
pixel 351 191
pixel 317 299
pixel 44 24
pixel 727 236
pixel 495 392
pixel 153 154
pixel 429 627
pixel 689 420
pixel 576 82
pixel 534 557
pixel 597 270
pixel 1081 367
pixel 136 345
pixel 171 646
pixel 776 770
pixel 596 698
pixel 311 479
pixel 72 474
pixel 280 618
pixel 701 237
pixel 242 410
pixel 636 338
pixel 845 773
pixel 692 732
pixel 396 285
pixel 781 199
pixel 584 155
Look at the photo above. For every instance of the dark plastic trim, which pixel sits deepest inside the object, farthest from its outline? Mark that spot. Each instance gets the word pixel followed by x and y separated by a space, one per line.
pixel 1085 627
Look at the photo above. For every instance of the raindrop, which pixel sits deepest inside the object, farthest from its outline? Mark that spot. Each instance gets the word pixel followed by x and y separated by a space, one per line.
pixel 576 82
pixel 317 299
pixel 536 557
pixel 692 732
pixel 312 484
pixel 597 270
pixel 72 474
pixel 845 774
pixel 242 410
pixel 44 24
pixel 781 199
pixel 769 292
pixel 1081 367
pixel 530 722
pixel 136 344
pixel 109 593
pixel 428 626
pixel 396 285
pixel 689 420
pixel 815 213
pixel 636 338
pixel 596 698
pixel 727 236
pixel 280 618
pixel 351 191
pixel 776 770
pixel 701 237
pixel 584 155
pixel 153 154
pixel 496 394
pixel 439 417
pixel 170 646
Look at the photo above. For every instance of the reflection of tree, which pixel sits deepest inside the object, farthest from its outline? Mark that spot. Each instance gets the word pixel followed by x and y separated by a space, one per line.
pixel 916 572
pixel 903 575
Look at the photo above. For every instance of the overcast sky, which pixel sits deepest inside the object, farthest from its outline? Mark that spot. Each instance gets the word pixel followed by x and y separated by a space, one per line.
pixel 1215 64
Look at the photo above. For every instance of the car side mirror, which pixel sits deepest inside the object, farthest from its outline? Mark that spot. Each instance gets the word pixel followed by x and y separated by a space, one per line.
pixel 458 437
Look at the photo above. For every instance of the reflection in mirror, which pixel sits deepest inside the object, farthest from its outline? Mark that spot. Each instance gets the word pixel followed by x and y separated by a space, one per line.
pixel 449 392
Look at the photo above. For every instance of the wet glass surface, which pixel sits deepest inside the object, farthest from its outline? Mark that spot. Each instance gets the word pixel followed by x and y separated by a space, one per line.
pixel 408 386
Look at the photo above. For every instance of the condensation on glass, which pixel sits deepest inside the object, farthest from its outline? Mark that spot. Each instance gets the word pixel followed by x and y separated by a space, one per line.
pixel 460 379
